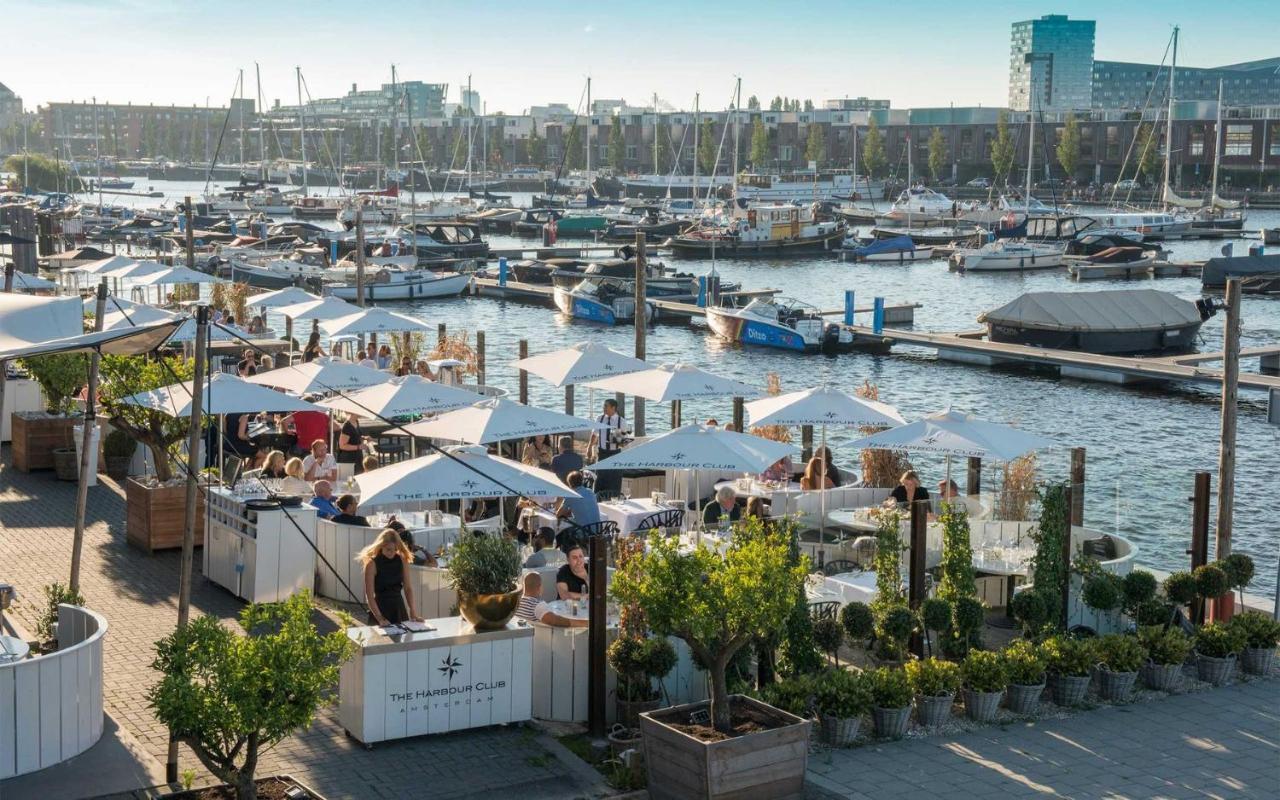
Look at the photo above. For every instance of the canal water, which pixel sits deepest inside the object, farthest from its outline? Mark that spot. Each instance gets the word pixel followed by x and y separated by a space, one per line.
pixel 1143 443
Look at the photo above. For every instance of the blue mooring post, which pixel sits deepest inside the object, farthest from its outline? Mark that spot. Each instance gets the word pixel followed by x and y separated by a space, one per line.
pixel 333 251
pixel 182 223
pixel 233 225
pixel 502 271
pixel 702 291
pixel 877 318
pixel 848 307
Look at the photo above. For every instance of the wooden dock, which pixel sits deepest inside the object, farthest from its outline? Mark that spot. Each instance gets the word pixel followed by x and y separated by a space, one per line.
pixel 1147 270
pixel 588 250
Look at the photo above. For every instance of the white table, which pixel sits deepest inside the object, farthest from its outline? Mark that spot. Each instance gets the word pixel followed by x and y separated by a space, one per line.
pixel 630 513
pixel 852 518
pixel 778 497
pixel 532 519
pixel 848 587
pixel 13 649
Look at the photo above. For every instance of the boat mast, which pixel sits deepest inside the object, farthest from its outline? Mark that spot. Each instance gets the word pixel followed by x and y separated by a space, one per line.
pixel 97 155
pixel 696 97
pixel 241 120
pixel 302 131
pixel 1168 130
pixel 910 175
pixel 1217 149
pixel 413 177
pixel 737 130
pixel 656 169
pixel 484 147
pixel 588 133
pixel 395 128
pixel 470 120
pixel 1031 153
pixel 262 137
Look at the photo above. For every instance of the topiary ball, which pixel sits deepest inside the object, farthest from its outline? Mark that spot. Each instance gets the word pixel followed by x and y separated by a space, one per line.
pixel 857 620
pixel 1153 612
pixel 658 657
pixel 1139 586
pixel 1180 588
pixel 897 623
pixel 967 615
pixel 828 634
pixel 1211 581
pixel 1029 608
pixel 935 614
pixel 1239 569
pixel 1102 592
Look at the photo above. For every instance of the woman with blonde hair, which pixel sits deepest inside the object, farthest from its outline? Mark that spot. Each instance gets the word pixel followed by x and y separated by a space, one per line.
pixel 815 476
pixel 273 467
pixel 295 481
pixel 386 592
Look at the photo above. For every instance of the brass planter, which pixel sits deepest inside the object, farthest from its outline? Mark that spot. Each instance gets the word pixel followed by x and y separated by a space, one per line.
pixel 489 612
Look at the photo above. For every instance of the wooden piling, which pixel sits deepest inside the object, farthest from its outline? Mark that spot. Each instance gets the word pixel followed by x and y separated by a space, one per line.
pixel 973 480
pixel 1077 485
pixel 524 376
pixel 739 414
pixel 1199 550
pixel 806 443
pixel 641 326
pixel 480 366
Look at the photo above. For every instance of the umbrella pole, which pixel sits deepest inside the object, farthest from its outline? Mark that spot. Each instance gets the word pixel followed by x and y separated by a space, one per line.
pixel 822 489
pixel 222 451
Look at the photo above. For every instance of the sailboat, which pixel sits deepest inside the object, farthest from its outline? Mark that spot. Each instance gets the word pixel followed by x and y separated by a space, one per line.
pixel 1216 214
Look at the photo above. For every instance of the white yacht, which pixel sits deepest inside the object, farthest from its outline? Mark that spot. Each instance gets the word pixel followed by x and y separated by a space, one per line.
pixel 1005 255
pixel 396 283
pixel 920 205
pixel 778 322
pixel 805 186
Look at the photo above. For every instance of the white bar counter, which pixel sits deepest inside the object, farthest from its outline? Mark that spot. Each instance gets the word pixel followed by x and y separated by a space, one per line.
pixel 447 679
pixel 258 555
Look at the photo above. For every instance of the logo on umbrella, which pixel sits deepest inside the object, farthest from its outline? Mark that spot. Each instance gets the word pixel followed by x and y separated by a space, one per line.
pixel 677 456
pixel 831 415
pixel 450 666
pixel 469 484
pixel 932 438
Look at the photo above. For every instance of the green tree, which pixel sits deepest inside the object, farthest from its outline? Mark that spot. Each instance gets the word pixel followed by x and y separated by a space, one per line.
pixel 536 148
pixel 45 174
pixel 617 145
pixel 147 139
pixel 707 146
pixel 753 103
pixel 664 154
pixel 230 697
pixel 122 376
pixel 172 139
pixel 423 148
pixel 808 105
pixel 575 157
pixel 1002 150
pixel 937 154
pixel 873 153
pixel 1068 150
pixel 815 148
pixel 760 145
pixel 1147 145
pixel 775 104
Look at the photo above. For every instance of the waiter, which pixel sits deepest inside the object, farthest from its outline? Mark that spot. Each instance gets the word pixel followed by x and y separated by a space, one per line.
pixel 609 443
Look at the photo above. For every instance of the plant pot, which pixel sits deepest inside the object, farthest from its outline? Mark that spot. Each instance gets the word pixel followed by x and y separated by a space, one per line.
pixel 1069 690
pixel 155 515
pixel 1115 686
pixel 1257 660
pixel 117 467
pixel 839 731
pixel 288 782
pixel 34 437
pixel 981 706
pixel 768 764
pixel 891 723
pixel 629 711
pixel 1214 670
pixel 489 612
pixel 65 463
pixel 1162 677
pixel 622 739
pixel 1022 699
pixel 933 710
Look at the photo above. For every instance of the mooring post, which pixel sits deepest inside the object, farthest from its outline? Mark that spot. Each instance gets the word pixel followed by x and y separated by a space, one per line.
pixel 1222 607
pixel 502 272
pixel 480 366
pixel 441 335
pixel 524 376
pixel 916 575
pixel 739 415
pixel 1199 550
pixel 848 307
pixel 877 315
pixel 806 443
pixel 1077 486
pixel 974 477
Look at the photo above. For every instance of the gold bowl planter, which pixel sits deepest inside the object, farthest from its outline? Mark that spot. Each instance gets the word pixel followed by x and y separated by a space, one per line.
pixel 488 612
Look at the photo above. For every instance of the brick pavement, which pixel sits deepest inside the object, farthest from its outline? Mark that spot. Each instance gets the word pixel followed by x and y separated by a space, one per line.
pixel 138 595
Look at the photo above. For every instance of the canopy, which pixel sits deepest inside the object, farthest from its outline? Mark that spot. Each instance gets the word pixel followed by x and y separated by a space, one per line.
pixel 1115 310
pixel 218 332
pixel 59 324
pixel 697 447
pixel 579 364
pixel 133 315
pixel 288 296
pixel 668 383
pixel 821 406
pixel 113 304
pixel 408 396
pixel 328 308
pixel 104 265
pixel 373 320
pixel 320 375
pixel 956 433
pixel 137 269
pixel 497 419
pixel 897 244
pixel 459 472
pixel 176 275
pixel 225 394
pixel 26 282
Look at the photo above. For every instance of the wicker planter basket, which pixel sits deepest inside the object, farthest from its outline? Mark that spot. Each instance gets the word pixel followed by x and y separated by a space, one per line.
pixel 838 731
pixel 65 464
pixel 1162 677
pixel 1115 686
pixel 933 710
pixel 1023 699
pixel 981 706
pixel 1216 671
pixel 891 723
pixel 1257 660
pixel 1069 690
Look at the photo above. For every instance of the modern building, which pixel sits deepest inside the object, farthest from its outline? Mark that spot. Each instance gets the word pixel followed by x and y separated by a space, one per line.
pixel 855 104
pixel 10 106
pixel 1125 85
pixel 1051 64
pixel 426 99
pixel 471 100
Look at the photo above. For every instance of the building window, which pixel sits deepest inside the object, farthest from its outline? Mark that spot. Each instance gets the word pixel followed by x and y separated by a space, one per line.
pixel 1086 142
pixel 1113 143
pixel 1273 139
pixel 1196 143
pixel 1239 141
pixel 631 152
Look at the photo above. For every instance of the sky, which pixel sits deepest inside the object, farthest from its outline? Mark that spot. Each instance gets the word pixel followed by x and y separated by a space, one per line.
pixel 918 54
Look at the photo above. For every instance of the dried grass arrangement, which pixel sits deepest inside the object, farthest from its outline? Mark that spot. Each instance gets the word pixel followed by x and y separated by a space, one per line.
pixel 880 468
pixel 409 345
pixel 776 433
pixel 456 345
pixel 1019 489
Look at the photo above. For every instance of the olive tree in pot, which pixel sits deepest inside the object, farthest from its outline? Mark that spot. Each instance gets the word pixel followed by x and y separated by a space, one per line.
pixel 1166 651
pixel 1260 634
pixel 841 697
pixel 44 440
pixel 1068 661
pixel 1217 645
pixel 935 683
pixel 1119 656
pixel 984 681
pixel 1024 667
pixel 483 571
pixel 890 702
pixel 231 697
pixel 717 602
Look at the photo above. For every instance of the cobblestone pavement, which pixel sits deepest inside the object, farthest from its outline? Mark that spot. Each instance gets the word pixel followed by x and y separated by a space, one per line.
pixel 137 593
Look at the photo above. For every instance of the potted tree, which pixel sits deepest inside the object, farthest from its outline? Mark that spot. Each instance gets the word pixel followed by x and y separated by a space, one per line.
pixel 984 681
pixel 117 454
pixel 483 571
pixel 717 602
pixel 1217 645
pixel 1103 592
pixel 967 617
pixel 1211 583
pixel 1024 666
pixel 935 683
pixel 935 615
pixel 841 697
pixel 1120 656
pixel 231 697
pixel 1068 661
pixel 1167 650
pixel 828 635
pixel 894 623
pixel 858 621
pixel 1031 610
pixel 890 702
pixel 639 662
pixel 1239 569
pixel 1260 634
pixel 1180 590
pixel 37 436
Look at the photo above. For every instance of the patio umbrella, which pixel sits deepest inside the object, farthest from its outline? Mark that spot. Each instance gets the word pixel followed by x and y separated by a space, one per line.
pixel 26 282
pixel 326 308
pixel 407 396
pixel 175 275
pixel 218 332
pixel 136 269
pixel 133 315
pixel 289 296
pixel 320 375
pixel 581 363
pixel 374 320
pixel 224 394
pixel 495 420
pixel 114 304
pixel 463 471
pixel 102 265
pixel 675 382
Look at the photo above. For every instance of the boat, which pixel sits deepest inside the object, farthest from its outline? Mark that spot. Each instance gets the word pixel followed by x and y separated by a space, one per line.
pixel 1094 244
pixel 1116 322
pixel 655 226
pixel 1004 255
pixel 111 183
pixel 901 250
pixel 1270 236
pixel 497 219
pixel 396 283
pixel 779 322
pixel 762 230
pixel 1130 256
pixel 682 186
pixel 269 201
pixel 533 220
pixel 804 187
pixel 317 207
pixel 440 240
pixel 605 300
pixel 919 204
pixel 1151 224
pixel 937 235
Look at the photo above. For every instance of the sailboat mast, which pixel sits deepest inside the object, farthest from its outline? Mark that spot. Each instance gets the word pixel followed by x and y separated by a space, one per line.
pixel 696 97
pixel 262 136
pixel 484 146
pixel 1168 129
pixel 470 128
pixel 1031 154
pixel 588 131
pixel 910 175
pixel 97 154
pixel 1217 148
pixel 737 131
pixel 241 120
pixel 413 176
pixel 395 120
pixel 656 169
pixel 302 131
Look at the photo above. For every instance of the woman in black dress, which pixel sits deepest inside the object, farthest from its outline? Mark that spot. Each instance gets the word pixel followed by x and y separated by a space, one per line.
pixel 386 593
pixel 350 441
pixel 313 350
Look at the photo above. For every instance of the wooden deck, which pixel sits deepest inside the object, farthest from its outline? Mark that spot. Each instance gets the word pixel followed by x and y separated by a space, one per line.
pixel 1145 271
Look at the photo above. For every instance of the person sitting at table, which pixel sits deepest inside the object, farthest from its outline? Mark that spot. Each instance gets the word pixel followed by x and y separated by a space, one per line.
pixel 347 512
pixel 908 490
pixel 369 462
pixel 320 465
pixel 313 350
pixel 724 505
pixel 265 364
pixel 566 460
pixel 755 509
pixel 537 451
pixel 405 368
pixel 295 481
pixel 236 437
pixel 779 471
pixel 713 423
pixel 582 510
pixel 421 558
pixel 815 477
pixel 322 499
pixel 534 609
pixel 258 325
pixel 571 579
pixel 479 508
pixel 386 592
pixel 248 365
pixel 351 443
pixel 273 467
pixel 363 358
pixel 949 492
pixel 423 369
pixel 383 358
pixel 833 472
pixel 544 541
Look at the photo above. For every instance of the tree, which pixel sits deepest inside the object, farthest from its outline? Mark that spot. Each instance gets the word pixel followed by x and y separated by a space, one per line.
pixel 716 602
pixel 760 145
pixel 574 156
pixel 808 105
pixel 617 145
pixel 423 150
pixel 815 149
pixel 231 697
pixel 536 148
pixel 873 155
pixel 753 103
pixel 663 152
pixel 775 104
pixel 1002 150
pixel 172 139
pixel 122 376
pixel 937 154
pixel 1068 150
pixel 45 174
pixel 1148 148
pixel 707 146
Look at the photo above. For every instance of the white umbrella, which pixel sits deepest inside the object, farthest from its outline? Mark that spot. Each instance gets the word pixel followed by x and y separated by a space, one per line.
pixel 224 394
pixel 136 269
pixel 25 282
pixel 320 375
pixel 327 308
pixel 104 265
pixel 464 471
pixel 496 420
pixel 288 296
pixel 407 396
pixel 373 320
pixel 114 304
pixel 175 275
pixel 218 332
pixel 133 315
pixel 580 364
pixel 669 383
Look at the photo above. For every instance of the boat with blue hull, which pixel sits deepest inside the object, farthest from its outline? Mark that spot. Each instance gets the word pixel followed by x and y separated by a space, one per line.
pixel 779 323
pixel 899 250
pixel 606 301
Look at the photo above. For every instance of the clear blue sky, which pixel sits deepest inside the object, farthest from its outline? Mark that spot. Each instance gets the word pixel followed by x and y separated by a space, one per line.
pixel 917 53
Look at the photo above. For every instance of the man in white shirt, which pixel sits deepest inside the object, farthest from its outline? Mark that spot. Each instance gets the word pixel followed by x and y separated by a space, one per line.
pixel 363 360
pixel 534 609
pixel 320 465
pixel 610 444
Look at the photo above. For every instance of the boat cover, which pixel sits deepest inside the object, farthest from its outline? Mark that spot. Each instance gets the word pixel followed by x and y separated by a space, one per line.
pixel 1217 270
pixel 896 245
pixel 1119 310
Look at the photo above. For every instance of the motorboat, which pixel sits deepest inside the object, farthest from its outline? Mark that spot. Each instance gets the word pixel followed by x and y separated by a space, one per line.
pixel 443 240
pixel 609 301
pixel 317 207
pixel 762 230
pixel 901 250
pixel 920 205
pixel 778 322
pixel 1094 244
pixel 937 235
pixel 804 187
pixel 397 283
pixel 1003 255
pixel 1151 224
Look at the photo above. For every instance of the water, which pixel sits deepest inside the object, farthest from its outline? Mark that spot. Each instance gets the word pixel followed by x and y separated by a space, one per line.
pixel 1144 444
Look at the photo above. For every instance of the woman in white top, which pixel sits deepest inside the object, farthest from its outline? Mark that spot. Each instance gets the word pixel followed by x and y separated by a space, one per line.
pixel 294 482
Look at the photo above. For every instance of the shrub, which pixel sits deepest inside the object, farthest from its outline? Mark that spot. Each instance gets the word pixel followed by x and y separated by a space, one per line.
pixel 1153 612
pixel 984 671
pixel 894 624
pixel 956 568
pixel 1256 629
pixel 1024 663
pixel 828 634
pixel 935 614
pixel 1051 531
pixel 122 376
pixel 638 661
pixel 1180 588
pixel 118 444
pixel 1139 587
pixel 842 694
pixel 967 615
pixel 1239 570
pixel 793 695
pixel 1067 657
pixel 1029 608
pixel 889 688
pixel 932 677
pixel 857 620
pixel 60 376
pixel 1119 652
pixel 1211 581
pixel 55 594
pixel 1102 592
pixel 1165 647
pixel 484 565
pixel 1218 640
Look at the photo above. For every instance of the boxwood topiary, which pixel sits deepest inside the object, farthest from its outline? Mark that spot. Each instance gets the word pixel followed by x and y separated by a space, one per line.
pixel 984 671
pixel 1211 581
pixel 890 688
pixel 1119 652
pixel 1180 588
pixel 857 620
pixel 1102 592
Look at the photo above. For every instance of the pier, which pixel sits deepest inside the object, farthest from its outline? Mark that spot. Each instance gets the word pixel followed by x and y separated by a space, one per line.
pixel 1082 271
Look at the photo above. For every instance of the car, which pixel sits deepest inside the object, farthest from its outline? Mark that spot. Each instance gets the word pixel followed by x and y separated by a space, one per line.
pixel 980 183
pixel 1128 184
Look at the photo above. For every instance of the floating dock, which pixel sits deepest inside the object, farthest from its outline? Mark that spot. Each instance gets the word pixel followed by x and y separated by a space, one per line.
pixel 1147 270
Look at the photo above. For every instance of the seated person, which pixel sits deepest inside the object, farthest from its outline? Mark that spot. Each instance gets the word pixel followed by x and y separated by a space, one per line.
pixel 248 366
pixel 323 500
pixel 543 543
pixel 534 609
pixel 823 453
pixel 421 557
pixel 566 461
pixel 779 470
pixel 294 481
pixel 320 465
pixel 582 510
pixel 814 476
pixel 479 508
pixel 756 509
pixel 571 579
pixel 724 505
pixel 370 462
pixel 347 512
pixel 273 467
pixel 949 492
pixel 908 490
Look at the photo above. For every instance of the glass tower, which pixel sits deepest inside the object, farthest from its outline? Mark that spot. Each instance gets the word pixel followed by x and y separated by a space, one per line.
pixel 1051 60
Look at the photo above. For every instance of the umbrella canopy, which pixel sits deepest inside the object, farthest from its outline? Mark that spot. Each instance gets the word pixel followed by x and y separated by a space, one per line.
pixel 956 433
pixel 495 420
pixel 580 364
pixel 225 394
pixel 668 383
pixel 459 472
pixel 288 296
pixel 133 315
pixel 103 265
pixel 320 375
pixel 31 325
pixel 699 447
pixel 408 396
pixel 25 282
pixel 175 275
pixel 218 332
pixel 327 308
pixel 137 269
pixel 113 304
pixel 374 320
pixel 821 406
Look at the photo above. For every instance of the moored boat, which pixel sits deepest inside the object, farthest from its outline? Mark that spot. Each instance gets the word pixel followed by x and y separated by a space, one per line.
pixel 780 323
pixel 394 283
pixel 609 301
pixel 1004 255
pixel 900 250
pixel 768 230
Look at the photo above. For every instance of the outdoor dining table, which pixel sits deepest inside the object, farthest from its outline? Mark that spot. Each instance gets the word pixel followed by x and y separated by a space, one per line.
pixel 778 495
pixel 631 512
pixel 1010 563
pixel 848 587
pixel 855 519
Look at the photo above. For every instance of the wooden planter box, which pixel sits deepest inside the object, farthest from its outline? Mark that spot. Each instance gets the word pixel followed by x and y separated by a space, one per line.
pixel 768 765
pixel 36 437
pixel 155 517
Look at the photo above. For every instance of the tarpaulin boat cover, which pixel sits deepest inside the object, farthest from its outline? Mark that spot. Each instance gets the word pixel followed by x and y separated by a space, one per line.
pixel 898 244
pixel 1122 310
pixel 1217 270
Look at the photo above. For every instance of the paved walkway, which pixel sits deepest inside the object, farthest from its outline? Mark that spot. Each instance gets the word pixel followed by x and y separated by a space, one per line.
pixel 138 595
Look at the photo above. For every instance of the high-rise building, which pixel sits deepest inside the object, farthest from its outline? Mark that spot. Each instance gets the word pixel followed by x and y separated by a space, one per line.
pixel 1051 64
pixel 1128 86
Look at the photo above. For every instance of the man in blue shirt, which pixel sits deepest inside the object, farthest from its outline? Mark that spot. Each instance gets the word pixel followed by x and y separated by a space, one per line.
pixel 323 500
pixel 566 460
pixel 582 510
